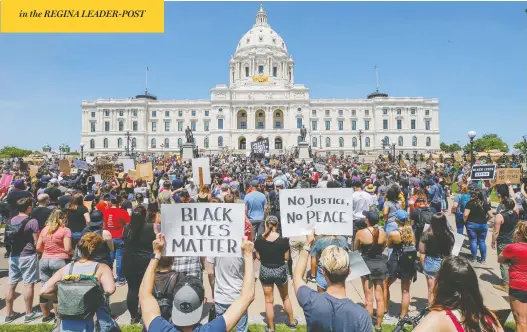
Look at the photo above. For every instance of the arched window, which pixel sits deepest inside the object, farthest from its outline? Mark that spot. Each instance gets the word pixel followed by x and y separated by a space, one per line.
pixel 121 125
pixel 119 142
pixel 242 143
pixel 414 141
pixel 92 144
pixel 367 142
pixel 341 142
pixel 314 142
pixel 328 142
pixel 153 143
pixel 400 141
pixel 220 141
pixel 167 143
pixel 354 142
pixel 278 143
pixel 105 143
pixel 386 141
pixel 428 141
pixel 179 142
pixel 206 142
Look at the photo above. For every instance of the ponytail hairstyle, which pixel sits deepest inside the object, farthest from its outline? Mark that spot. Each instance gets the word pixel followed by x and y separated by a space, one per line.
pixel 89 243
pixel 270 223
pixel 56 219
pixel 137 221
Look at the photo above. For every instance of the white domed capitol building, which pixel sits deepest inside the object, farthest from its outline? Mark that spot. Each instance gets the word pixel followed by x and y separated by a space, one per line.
pixel 262 100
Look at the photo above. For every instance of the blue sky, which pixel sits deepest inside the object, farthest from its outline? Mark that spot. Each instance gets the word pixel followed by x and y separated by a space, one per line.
pixel 470 55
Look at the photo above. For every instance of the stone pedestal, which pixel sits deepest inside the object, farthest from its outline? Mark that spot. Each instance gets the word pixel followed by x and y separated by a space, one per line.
pixel 303 152
pixel 188 151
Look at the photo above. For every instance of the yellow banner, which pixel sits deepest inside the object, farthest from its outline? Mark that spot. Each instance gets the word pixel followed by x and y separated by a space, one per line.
pixel 82 16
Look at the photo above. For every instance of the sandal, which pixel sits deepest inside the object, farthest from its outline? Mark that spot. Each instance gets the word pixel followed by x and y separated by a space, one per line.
pixel 292 326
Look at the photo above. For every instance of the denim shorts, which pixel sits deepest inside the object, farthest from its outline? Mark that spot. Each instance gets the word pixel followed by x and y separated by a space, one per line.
pixel 48 267
pixel 23 268
pixel 431 266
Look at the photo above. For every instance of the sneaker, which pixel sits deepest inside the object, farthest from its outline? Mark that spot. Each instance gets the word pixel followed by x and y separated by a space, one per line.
pixel 388 319
pixel 120 283
pixel 293 325
pixel 32 316
pixel 48 319
pixel 502 287
pixel 14 316
pixel 135 321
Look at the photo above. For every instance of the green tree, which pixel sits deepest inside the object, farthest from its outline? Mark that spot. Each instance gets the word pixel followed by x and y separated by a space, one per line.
pixel 522 146
pixel 14 152
pixel 488 142
pixel 449 148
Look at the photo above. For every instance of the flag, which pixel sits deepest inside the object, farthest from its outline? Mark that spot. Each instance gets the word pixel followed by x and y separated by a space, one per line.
pixel 147 68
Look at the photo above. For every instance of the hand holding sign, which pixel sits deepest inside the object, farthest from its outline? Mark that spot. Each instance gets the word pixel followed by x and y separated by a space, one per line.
pixel 159 244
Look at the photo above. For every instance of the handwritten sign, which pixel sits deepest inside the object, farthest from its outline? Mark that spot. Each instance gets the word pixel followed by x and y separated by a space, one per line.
pixel 260 147
pixel 320 167
pixel 64 166
pixel 483 172
pixel 106 170
pixel 128 164
pixel 329 211
pixel 144 171
pixel 81 164
pixel 33 170
pixel 202 164
pixel 508 174
pixel 203 229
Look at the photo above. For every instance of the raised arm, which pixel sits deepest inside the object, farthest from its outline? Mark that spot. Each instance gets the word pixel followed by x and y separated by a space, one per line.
pixel 300 269
pixel 147 301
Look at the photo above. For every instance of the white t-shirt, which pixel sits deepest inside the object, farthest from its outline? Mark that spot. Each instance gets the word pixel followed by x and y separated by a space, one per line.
pixel 361 202
pixel 228 278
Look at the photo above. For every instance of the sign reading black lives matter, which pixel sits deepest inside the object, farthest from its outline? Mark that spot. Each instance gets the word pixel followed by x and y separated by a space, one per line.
pixel 483 172
pixel 329 211
pixel 203 230
pixel 260 147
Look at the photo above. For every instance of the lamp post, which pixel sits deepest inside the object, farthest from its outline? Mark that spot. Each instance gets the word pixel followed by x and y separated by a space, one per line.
pixel 128 138
pixel 82 150
pixel 393 149
pixel 471 136
pixel 360 141
pixel 162 147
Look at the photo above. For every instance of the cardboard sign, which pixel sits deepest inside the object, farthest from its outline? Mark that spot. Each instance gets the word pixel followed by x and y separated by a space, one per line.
pixel 5 181
pixel 508 174
pixel 320 167
pixel 144 171
pixel 33 170
pixel 483 172
pixel 201 166
pixel 329 211
pixel 64 166
pixel 106 170
pixel 120 175
pixel 81 164
pixel 203 229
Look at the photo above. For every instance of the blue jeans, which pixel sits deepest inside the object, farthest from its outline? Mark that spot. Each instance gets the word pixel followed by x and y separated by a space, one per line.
pixel 460 225
pixel 242 325
pixel 390 227
pixel 477 234
pixel 117 256
pixel 75 238
pixel 104 318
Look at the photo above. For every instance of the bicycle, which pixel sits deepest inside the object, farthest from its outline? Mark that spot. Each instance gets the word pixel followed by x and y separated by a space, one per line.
pixel 414 321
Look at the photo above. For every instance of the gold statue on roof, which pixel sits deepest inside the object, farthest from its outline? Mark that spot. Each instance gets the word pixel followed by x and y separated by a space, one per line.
pixel 260 78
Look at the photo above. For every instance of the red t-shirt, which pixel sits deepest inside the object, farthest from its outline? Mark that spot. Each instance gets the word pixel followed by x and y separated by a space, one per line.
pixel 114 221
pixel 517 253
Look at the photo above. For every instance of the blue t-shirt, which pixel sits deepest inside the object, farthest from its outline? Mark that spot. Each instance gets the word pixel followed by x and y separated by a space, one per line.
pixel 159 324
pixel 255 203
pixel 324 312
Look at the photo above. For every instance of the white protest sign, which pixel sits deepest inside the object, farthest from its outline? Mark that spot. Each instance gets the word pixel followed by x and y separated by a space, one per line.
pixel 328 210
pixel 97 178
pixel 458 240
pixel 357 265
pixel 128 164
pixel 203 229
pixel 201 165
pixel 320 167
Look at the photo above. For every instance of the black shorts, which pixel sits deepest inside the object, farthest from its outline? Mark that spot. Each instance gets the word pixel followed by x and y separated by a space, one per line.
pixel 519 294
pixel 273 275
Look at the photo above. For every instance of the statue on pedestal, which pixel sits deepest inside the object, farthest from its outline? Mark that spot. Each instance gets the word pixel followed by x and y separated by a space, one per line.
pixel 189 135
pixel 303 133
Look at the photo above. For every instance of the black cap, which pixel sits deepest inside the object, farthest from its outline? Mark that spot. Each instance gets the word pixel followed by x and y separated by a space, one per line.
pixel 371 215
pixel 96 218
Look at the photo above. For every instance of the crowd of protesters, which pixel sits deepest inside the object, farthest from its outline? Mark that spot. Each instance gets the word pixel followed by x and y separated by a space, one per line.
pixel 60 227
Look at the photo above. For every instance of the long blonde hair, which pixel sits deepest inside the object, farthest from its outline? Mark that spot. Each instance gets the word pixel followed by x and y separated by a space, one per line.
pixel 407 234
pixel 521 231
pixel 56 219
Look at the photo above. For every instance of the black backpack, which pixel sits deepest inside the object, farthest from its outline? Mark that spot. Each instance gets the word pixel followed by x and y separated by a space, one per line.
pixel 165 302
pixel 15 232
pixel 407 258
pixel 424 216
pixel 275 205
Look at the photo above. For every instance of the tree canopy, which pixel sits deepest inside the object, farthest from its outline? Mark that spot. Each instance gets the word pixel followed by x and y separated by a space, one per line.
pixel 522 146
pixel 14 152
pixel 450 147
pixel 488 142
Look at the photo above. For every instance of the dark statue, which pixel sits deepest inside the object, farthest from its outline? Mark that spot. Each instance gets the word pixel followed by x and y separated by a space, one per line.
pixel 303 133
pixel 189 135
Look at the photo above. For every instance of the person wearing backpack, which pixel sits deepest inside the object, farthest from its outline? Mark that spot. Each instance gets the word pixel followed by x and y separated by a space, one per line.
pixel 460 202
pixel 81 287
pixel 401 264
pixel 22 233
pixel 420 216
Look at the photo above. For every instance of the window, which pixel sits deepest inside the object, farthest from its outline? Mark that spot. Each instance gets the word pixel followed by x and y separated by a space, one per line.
pixel 260 125
pixel 193 125
pixel 92 114
pixel 260 69
pixel 428 141
pixel 400 141
pixel 246 71
pixel 314 125
pixel 313 112
pixel 154 126
pixel 367 142
pixel 119 142
pixel 167 114
pixel 399 124
pixel 220 125
pixel 179 142
pixel 206 142
pixel 386 141
pixel 353 125
pixel 153 143
pixel 328 142
pixel 414 141
pixel 412 124
pixel 327 112
pixel 328 124
pixel 354 142
pixel 180 126
pixel 106 113
pixel 366 124
pixel 299 122
pixel 243 124
pixel 412 111
pixel 134 112
pixel 121 113
pixel 314 142
pixel 167 143
pixel 384 111
pixel 353 113
pixel 134 143
pixel 105 143
pixel 398 111
pixel 384 124
pixel 277 124
pixel 278 143
pixel 193 113
pixel 341 112
pixel 179 113
pixel 134 125
pixel 92 144
pixel 341 125
pixel 206 113
pixel 220 141
pixel 206 125
pixel 167 125
pixel 92 126
pixel 427 124
pixel 121 125
pixel 275 71
pixel 154 113
pixel 341 142
pixel 106 125
pixel 427 112
pixel 367 112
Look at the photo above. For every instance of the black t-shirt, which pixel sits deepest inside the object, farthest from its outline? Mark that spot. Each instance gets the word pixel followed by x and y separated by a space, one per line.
pixel 41 214
pixel 137 249
pixel 54 193
pixel 272 253
pixel 76 220
pixel 478 214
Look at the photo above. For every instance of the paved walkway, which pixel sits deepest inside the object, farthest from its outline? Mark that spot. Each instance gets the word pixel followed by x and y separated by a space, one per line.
pixel 488 275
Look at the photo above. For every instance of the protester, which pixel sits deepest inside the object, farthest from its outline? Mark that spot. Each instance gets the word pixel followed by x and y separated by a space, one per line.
pixel 477 212
pixel 321 243
pixel 255 208
pixel 41 212
pixel 78 217
pixel 114 221
pixel 458 209
pixel 102 253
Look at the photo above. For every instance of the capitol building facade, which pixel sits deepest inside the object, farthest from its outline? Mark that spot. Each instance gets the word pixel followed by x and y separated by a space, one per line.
pixel 261 100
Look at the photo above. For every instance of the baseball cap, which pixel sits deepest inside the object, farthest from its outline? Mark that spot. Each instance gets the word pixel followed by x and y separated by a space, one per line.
pixel 279 183
pixel 19 184
pixel 401 215
pixel 254 183
pixel 189 295
pixel 371 215
pixel 96 218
